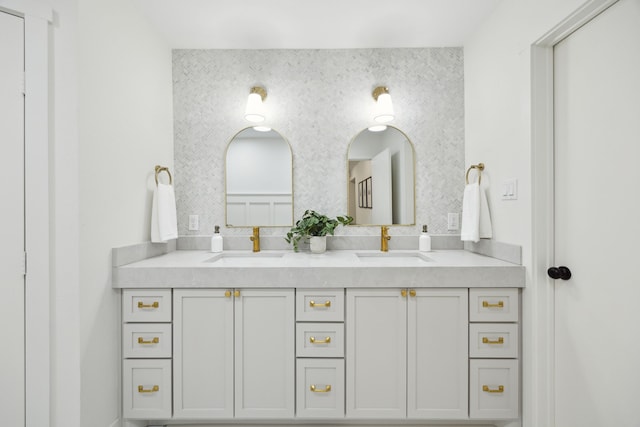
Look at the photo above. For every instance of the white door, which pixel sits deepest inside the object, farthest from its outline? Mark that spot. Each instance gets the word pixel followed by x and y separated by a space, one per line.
pixel 376 354
pixel 597 221
pixel 12 402
pixel 265 353
pixel 381 201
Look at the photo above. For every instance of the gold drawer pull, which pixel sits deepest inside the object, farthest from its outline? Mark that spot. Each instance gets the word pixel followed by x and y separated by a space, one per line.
pixel 155 340
pixel 155 304
pixel 313 340
pixel 320 304
pixel 152 390
pixel 486 340
pixel 313 388
pixel 486 304
pixel 486 388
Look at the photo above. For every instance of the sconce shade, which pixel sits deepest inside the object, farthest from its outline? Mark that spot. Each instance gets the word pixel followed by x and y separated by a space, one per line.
pixel 255 108
pixel 383 111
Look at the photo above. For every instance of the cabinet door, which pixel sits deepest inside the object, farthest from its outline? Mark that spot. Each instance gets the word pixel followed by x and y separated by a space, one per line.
pixel 438 354
pixel 376 353
pixel 203 353
pixel 265 353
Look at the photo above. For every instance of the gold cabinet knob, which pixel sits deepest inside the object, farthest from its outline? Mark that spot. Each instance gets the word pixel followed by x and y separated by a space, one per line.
pixel 313 340
pixel 227 294
pixel 487 389
pixel 315 389
pixel 154 389
pixel 486 340
pixel 155 340
pixel 154 304
pixel 320 304
pixel 403 293
pixel 236 293
pixel 412 292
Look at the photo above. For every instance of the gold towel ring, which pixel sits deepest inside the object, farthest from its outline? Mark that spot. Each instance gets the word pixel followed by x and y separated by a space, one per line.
pixel 163 169
pixel 480 167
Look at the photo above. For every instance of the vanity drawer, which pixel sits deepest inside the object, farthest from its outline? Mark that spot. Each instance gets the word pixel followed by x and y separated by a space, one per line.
pixel 493 340
pixel 320 305
pixel 146 389
pixel 493 389
pixel 320 388
pixel 146 340
pixel 320 339
pixel 146 305
pixel 493 305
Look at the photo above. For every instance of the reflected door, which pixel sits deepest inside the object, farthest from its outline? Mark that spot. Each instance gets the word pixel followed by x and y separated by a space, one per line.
pixel 381 203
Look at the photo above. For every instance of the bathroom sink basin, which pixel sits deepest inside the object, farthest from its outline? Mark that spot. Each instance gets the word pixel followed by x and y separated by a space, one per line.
pixel 402 259
pixel 246 259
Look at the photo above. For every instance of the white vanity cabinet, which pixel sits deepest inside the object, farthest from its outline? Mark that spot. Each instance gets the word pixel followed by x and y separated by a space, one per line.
pixel 407 353
pixel 234 354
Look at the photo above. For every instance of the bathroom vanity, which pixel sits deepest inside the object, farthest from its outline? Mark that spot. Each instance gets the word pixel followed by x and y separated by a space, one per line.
pixel 341 337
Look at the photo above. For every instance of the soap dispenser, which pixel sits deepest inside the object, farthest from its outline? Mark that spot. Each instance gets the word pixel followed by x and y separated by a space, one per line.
pixel 425 240
pixel 216 240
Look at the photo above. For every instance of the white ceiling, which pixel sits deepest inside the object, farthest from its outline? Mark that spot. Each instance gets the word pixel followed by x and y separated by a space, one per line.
pixel 312 24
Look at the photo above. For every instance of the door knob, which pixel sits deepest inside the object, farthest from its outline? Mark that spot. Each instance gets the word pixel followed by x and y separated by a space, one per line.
pixel 560 272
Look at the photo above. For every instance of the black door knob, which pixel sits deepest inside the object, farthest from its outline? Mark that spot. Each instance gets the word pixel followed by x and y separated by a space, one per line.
pixel 560 272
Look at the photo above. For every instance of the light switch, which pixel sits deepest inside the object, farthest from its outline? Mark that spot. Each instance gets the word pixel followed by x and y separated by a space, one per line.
pixel 453 221
pixel 510 189
pixel 194 223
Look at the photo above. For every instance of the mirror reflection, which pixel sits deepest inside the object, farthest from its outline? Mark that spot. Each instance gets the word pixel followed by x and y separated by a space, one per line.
pixel 259 180
pixel 381 178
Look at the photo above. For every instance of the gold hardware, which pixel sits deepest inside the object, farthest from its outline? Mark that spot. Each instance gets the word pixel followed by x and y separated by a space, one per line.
pixel 486 304
pixel 480 167
pixel 152 390
pixel 260 91
pixel 155 340
pixel 313 340
pixel 320 304
pixel 486 388
pixel 163 169
pixel 236 294
pixel 412 292
pixel 403 293
pixel 255 238
pixel 155 304
pixel 227 294
pixel 313 388
pixel 486 340
pixel 379 91
pixel 384 238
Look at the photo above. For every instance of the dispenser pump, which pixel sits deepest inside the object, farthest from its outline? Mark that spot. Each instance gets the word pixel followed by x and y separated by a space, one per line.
pixel 216 240
pixel 425 240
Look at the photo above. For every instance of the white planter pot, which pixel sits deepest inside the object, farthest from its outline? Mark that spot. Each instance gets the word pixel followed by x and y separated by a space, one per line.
pixel 318 244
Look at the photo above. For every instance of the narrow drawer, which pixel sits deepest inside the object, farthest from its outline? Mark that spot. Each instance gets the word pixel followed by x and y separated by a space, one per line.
pixel 493 340
pixel 146 340
pixel 493 305
pixel 320 339
pixel 493 389
pixel 320 388
pixel 146 385
pixel 146 305
pixel 320 305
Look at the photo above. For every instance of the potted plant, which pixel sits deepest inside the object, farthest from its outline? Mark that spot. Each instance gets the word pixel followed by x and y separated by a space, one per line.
pixel 315 226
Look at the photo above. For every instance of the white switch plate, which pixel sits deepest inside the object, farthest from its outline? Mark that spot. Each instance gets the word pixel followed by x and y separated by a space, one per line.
pixel 194 223
pixel 510 189
pixel 453 221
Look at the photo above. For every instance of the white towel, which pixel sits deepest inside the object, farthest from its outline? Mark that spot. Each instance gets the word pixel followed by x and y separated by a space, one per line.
pixel 164 224
pixel 476 221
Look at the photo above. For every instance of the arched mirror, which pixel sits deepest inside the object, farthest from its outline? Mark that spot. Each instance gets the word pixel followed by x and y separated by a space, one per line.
pixel 259 180
pixel 381 178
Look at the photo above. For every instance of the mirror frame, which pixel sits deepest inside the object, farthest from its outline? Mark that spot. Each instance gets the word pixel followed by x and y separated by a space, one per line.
pixel 413 152
pixel 226 150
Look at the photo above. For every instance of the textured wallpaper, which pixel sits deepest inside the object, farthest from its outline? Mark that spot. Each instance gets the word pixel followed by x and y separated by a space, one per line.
pixel 319 100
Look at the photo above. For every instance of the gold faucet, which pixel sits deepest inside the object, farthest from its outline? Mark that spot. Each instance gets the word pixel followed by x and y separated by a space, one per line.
pixel 384 238
pixel 256 239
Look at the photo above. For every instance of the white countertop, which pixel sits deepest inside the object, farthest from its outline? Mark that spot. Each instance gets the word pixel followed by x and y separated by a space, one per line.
pixel 332 269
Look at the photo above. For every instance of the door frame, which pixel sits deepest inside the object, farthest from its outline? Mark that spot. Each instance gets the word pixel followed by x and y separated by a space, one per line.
pixel 37 17
pixel 542 301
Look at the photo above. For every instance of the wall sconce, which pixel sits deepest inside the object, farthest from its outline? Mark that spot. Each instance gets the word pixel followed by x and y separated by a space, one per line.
pixel 255 108
pixel 383 111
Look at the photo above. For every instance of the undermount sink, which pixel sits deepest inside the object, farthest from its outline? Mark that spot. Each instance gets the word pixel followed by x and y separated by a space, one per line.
pixel 393 258
pixel 244 259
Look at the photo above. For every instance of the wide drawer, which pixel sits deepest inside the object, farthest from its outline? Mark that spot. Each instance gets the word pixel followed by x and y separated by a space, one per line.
pixel 146 385
pixel 320 388
pixel 493 305
pixel 146 305
pixel 493 389
pixel 320 339
pixel 493 340
pixel 146 340
pixel 320 305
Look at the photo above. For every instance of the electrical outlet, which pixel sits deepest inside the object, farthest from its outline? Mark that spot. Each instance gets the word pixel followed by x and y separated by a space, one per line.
pixel 194 223
pixel 453 221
